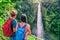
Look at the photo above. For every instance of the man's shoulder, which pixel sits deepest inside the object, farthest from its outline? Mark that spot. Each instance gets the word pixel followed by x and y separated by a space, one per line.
pixel 14 21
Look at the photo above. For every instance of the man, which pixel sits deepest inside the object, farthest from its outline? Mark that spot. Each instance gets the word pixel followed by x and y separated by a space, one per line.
pixel 13 24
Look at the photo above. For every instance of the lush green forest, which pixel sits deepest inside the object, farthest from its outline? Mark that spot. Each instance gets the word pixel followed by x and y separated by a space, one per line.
pixel 50 15
pixel 51 19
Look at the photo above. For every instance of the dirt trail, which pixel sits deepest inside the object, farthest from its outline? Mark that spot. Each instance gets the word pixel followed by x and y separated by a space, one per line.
pixel 0 39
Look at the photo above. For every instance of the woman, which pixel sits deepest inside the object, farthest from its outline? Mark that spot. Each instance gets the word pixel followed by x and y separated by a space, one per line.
pixel 23 29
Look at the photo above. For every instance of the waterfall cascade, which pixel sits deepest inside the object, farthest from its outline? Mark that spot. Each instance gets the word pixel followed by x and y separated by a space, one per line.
pixel 40 32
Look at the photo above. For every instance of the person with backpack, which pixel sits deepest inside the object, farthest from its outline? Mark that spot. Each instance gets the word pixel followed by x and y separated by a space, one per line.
pixel 23 29
pixel 9 27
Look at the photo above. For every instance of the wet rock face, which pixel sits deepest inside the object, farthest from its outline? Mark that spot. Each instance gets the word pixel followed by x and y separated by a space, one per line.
pixel 34 31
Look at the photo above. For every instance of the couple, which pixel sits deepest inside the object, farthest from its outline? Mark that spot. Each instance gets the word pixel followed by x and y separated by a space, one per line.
pixel 19 26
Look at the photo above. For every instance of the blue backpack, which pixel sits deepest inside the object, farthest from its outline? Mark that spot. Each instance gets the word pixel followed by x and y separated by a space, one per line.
pixel 20 32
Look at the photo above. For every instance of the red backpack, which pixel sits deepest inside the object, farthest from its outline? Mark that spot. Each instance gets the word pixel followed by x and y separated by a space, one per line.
pixel 7 28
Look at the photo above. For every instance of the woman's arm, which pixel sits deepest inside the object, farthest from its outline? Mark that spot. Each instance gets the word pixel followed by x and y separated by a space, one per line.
pixel 28 31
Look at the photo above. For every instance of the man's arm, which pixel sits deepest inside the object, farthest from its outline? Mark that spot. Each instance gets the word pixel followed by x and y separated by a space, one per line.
pixel 14 26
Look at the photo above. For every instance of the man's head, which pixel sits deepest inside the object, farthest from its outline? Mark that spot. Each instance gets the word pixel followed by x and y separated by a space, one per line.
pixel 13 13
pixel 23 18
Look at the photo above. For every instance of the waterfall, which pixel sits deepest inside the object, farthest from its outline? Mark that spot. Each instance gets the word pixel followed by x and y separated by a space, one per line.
pixel 40 32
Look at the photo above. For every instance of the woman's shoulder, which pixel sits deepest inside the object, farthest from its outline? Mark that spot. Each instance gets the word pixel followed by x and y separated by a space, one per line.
pixel 28 25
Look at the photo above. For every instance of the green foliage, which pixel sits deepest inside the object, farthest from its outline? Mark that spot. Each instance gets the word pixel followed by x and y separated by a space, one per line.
pixel 5 7
pixel 22 7
pixel 28 8
pixel 51 14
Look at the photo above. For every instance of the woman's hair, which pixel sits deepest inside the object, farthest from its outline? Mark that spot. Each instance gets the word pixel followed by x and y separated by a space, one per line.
pixel 13 13
pixel 23 18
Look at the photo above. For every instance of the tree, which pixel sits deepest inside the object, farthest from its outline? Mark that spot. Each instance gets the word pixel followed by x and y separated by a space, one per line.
pixel 51 19
pixel 27 7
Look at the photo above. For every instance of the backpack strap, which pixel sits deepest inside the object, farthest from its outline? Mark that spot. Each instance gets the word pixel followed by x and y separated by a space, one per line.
pixel 25 25
pixel 10 19
pixel 11 23
pixel 18 25
pixel 25 29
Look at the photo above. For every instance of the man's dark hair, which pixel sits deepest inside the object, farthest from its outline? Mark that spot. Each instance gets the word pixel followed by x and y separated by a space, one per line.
pixel 23 18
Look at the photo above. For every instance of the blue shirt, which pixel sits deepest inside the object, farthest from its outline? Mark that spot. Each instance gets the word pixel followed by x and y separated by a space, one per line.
pixel 14 23
pixel 14 26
